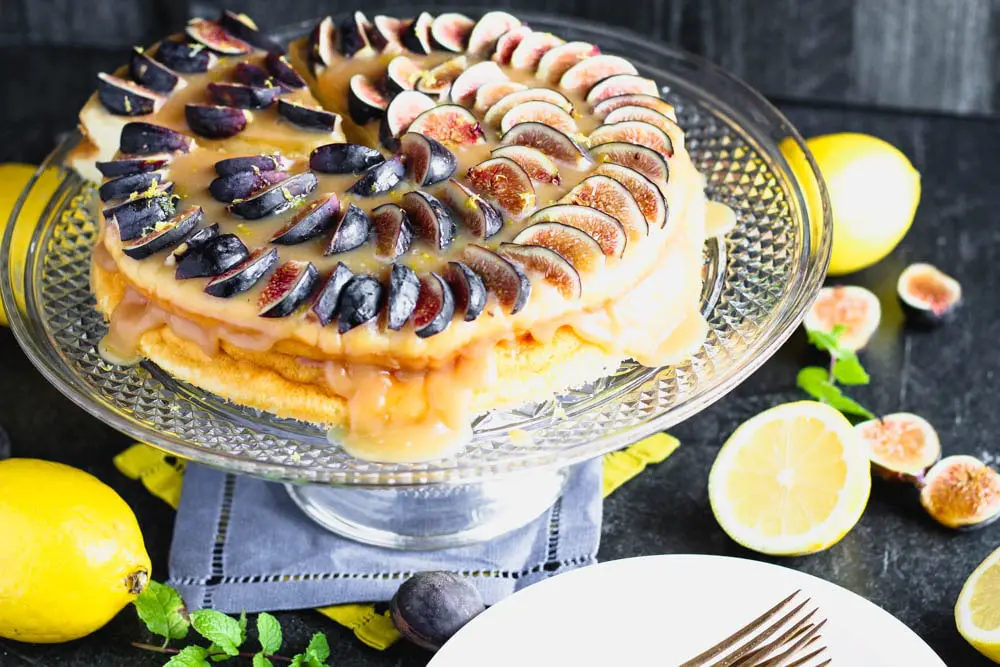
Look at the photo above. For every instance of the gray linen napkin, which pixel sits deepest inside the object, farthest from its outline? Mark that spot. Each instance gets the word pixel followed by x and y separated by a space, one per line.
pixel 241 543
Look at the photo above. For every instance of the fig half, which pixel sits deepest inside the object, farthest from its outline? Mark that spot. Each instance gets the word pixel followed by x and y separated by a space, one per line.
pixel 243 27
pixel 463 88
pixel 213 36
pixel 430 219
pixel 435 306
pixel 537 164
pixel 310 221
pixel 609 196
pixel 633 132
pixel 621 84
pixel 849 306
pixel 360 300
pixel 128 165
pixel 126 98
pixel 503 279
pixel 549 264
pixel 478 216
pixel 211 258
pixel 427 160
pixel 243 276
pixel 581 77
pixel 214 121
pixel 283 72
pixel 557 61
pixel 642 159
pixel 508 42
pixel 352 231
pixel 417 35
pixel 901 445
pixel 379 179
pixel 138 138
pixel 243 96
pixel 404 288
pixel 450 124
pixel 255 163
pixel 467 288
pixel 961 492
pixel 929 296
pixel 530 50
pixel 185 58
pixel 308 118
pixel 393 232
pixel 576 245
pixel 605 229
pixel 243 184
pixel 486 32
pixel 649 197
pixel 327 301
pixel 344 158
pixel 287 288
pixel 164 235
pixel 505 182
pixel 154 75
pixel 277 198
pixel 400 114
pixel 365 102
pixel 451 30
pixel 605 107
pixel 548 140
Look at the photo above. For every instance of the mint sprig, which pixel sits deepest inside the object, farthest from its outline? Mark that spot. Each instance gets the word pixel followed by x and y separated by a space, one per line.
pixel 161 609
pixel 845 368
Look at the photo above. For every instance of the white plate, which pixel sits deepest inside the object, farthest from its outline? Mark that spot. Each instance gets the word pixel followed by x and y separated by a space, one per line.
pixel 663 610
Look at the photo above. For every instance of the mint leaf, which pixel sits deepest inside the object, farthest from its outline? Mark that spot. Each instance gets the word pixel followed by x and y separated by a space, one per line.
pixel 269 633
pixel 161 608
pixel 243 626
pixel 259 660
pixel 815 381
pixel 218 628
pixel 190 656
pixel 848 370
pixel 826 341
pixel 318 647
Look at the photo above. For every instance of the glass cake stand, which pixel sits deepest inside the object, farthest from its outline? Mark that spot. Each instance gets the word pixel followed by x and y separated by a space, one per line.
pixel 758 282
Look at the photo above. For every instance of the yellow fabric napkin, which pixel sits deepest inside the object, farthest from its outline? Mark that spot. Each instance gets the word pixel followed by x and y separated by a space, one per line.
pixel 163 475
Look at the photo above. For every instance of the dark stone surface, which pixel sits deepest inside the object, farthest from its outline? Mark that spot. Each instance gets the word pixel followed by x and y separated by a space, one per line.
pixel 896 556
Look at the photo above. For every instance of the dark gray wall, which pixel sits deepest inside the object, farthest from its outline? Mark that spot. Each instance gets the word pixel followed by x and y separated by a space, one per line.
pixel 920 54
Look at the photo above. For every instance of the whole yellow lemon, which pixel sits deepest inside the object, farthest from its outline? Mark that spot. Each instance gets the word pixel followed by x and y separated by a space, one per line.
pixel 874 193
pixel 71 555
pixel 13 178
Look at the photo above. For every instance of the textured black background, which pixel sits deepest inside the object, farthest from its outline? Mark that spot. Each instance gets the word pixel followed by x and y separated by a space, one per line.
pixel 895 556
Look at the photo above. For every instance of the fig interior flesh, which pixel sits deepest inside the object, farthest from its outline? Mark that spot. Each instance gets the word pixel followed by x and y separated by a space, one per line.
pixel 928 295
pixel 854 308
pixel 961 492
pixel 901 445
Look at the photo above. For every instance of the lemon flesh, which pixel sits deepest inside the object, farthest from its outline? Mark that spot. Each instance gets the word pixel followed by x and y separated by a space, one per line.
pixel 72 552
pixel 793 480
pixel 874 192
pixel 977 611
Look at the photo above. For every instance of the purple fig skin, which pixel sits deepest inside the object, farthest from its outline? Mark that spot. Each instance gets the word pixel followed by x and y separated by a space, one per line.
pixel 352 231
pixel 353 35
pixel 252 75
pixel 283 72
pixel 211 35
pixel 244 275
pixel 467 288
pixel 404 287
pixel 436 305
pixel 125 98
pixel 360 302
pixel 185 58
pixel 138 138
pixel 123 186
pixel 427 160
pixel 243 96
pixel 309 222
pixel 344 158
pixel 243 184
pixel 417 36
pixel 149 73
pixel 307 117
pixel 327 301
pixel 288 288
pixel 240 27
pixel 321 41
pixel 196 240
pixel 215 256
pixel 393 232
pixel 178 228
pixel 430 607
pixel 135 215
pixel 214 121
pixel 431 220
pixel 128 166
pixel 379 179
pixel 235 165
pixel 276 198
pixel 364 102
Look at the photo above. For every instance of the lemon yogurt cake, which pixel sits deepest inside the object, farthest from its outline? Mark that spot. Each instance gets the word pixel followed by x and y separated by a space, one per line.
pixel 394 225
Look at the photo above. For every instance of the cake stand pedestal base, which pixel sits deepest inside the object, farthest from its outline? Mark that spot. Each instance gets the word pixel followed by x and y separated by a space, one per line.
pixel 433 516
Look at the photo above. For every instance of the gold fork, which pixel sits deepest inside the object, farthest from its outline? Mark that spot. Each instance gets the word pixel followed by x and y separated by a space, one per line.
pixel 797 644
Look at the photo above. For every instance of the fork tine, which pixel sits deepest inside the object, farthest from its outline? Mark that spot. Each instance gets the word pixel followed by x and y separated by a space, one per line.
pixel 806 658
pixel 807 639
pixel 755 657
pixel 702 658
pixel 756 641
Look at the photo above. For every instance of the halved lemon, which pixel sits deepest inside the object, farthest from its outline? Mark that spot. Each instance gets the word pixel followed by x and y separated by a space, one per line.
pixel 793 480
pixel 977 611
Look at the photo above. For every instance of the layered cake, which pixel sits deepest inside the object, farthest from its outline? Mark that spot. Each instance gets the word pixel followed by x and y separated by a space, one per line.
pixel 391 226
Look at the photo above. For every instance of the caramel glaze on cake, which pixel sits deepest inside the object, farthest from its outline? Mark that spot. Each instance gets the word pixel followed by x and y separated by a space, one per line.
pixel 584 260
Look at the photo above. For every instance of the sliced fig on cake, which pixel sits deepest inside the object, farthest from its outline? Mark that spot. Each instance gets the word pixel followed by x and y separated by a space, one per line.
pixel 491 93
pixel 549 264
pixel 326 304
pixel 211 258
pixel 558 60
pixel 287 288
pixel 379 179
pixel 322 43
pixel 507 43
pixel 582 76
pixel 352 231
pixel 416 37
pixel 537 164
pixel 633 132
pixel 505 182
pixel 308 118
pixel 427 161
pixel 605 107
pixel 185 58
pixel 450 124
pixel 609 196
pixel 127 98
pixel 580 248
pixel 495 114
pixel 262 162
pixel 402 73
pixel 438 80
pixel 243 27
pixel 548 140
pixel 134 217
pixel 539 112
pixel 529 52
pixel 277 198
pixel 430 219
pixel 243 96
pixel 463 89
pixel 503 279
pixel 164 235
pixel 642 159
pixel 213 36
pixel 478 216
pixel 283 72
pixel 244 275
pixel 400 114
pixel 435 306
pixel 606 230
pixel 404 288
pixel 127 166
pixel 354 39
pixel 243 184
pixel 124 186
pixel 309 221
pixel 649 197
pixel 646 115
pixel 214 121
pixel 467 288
pixel 152 74
pixel 488 29
pixel 360 301
pixel 365 102
pixel 393 232
pixel 388 32
pixel 193 242
pixel 344 158
pixel 253 75
pixel 621 84
pixel 450 31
